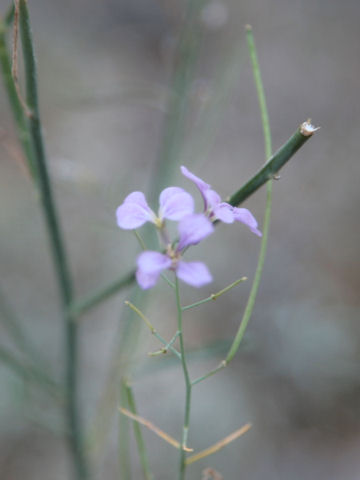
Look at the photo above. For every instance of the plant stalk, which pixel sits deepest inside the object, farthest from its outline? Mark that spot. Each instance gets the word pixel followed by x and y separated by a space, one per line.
pixel 56 245
pixel 188 385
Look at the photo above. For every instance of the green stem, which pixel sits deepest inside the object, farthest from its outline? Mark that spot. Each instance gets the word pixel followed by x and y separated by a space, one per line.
pixel 267 140
pixel 152 328
pixel 188 386
pixel 124 437
pixel 57 245
pixel 138 434
pixel 271 167
pixel 87 303
pixel 209 374
pixel 15 104
pixel 214 296
pixel 265 174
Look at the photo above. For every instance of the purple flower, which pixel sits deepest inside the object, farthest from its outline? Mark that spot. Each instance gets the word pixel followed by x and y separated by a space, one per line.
pixel 192 229
pixel 175 204
pixel 218 210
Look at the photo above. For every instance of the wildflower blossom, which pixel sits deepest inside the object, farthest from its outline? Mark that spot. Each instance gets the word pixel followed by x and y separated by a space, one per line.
pixel 218 210
pixel 174 203
pixel 150 264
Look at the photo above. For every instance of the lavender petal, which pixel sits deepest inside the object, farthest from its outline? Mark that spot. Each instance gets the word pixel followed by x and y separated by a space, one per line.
pixel 244 216
pixel 153 262
pixel 224 212
pixel 175 203
pixel 150 265
pixel 192 229
pixel 195 274
pixel 134 212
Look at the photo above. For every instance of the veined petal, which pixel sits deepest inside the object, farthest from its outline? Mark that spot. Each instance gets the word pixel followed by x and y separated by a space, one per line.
pixel 224 212
pixel 134 212
pixel 244 215
pixel 212 198
pixel 150 265
pixel 153 262
pixel 175 203
pixel 202 186
pixel 146 280
pixel 192 229
pixel 195 274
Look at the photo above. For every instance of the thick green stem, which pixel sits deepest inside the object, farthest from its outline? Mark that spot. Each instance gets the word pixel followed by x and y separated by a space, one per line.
pixel 188 385
pixel 272 166
pixel 56 244
pixel 266 173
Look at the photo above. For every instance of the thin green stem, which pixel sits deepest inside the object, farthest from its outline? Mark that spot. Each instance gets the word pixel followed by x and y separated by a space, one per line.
pixel 214 296
pixel 87 303
pixel 57 245
pixel 153 329
pixel 138 434
pixel 209 374
pixel 124 436
pixel 188 386
pixel 265 174
pixel 267 141
pixel 20 119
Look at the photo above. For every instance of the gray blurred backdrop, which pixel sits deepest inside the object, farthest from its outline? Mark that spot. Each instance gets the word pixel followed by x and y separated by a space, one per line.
pixel 105 72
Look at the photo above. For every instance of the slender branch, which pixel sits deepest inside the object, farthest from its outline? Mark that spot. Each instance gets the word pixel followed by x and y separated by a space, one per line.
pixel 87 303
pixel 214 296
pixel 210 374
pixel 124 437
pixel 20 119
pixel 188 386
pixel 152 329
pixel 56 244
pixel 267 140
pixel 151 426
pixel 218 445
pixel 278 160
pixel 138 434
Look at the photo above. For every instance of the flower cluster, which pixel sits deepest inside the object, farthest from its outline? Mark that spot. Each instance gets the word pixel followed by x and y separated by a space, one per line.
pixel 177 205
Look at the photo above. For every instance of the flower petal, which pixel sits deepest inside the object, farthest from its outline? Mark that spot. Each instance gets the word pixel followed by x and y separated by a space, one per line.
pixel 224 212
pixel 244 215
pixel 153 262
pixel 134 212
pixel 175 203
pixel 195 274
pixel 192 229
pixel 202 186
pixel 150 265
pixel 212 199
pixel 146 280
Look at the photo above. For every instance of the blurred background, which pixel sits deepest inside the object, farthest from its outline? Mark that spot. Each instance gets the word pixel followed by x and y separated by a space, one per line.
pixel 106 73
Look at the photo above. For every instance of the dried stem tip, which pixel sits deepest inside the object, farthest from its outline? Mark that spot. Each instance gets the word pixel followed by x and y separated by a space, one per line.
pixel 307 129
